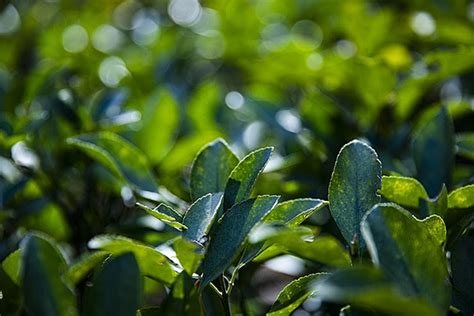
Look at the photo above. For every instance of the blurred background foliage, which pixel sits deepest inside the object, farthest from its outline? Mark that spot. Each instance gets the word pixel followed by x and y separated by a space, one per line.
pixel 170 76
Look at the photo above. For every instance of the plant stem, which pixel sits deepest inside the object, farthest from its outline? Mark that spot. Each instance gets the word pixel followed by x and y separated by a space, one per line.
pixel 225 298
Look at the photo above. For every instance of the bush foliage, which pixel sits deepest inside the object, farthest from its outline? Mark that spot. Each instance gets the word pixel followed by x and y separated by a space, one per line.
pixel 236 157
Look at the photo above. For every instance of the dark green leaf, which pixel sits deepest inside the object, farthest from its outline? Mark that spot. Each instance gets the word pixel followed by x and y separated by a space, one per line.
pixel 410 251
pixel 462 271
pixel 200 216
pixel 211 168
pixel 152 263
pixel 43 290
pixel 243 177
pixel 433 151
pixel 353 188
pixel 230 234
pixel 293 295
pixel 403 190
pixel 119 156
pixel 184 297
pixel 117 288
pixel 368 289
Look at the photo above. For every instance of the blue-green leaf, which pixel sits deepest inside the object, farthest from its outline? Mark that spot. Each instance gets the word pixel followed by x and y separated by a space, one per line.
pixel 117 288
pixel 433 151
pixel 353 188
pixel 243 177
pixel 230 234
pixel 43 290
pixel 200 216
pixel 211 168
pixel 410 251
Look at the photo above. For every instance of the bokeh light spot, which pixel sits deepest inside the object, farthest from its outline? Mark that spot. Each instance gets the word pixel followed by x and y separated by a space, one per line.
pixel 75 39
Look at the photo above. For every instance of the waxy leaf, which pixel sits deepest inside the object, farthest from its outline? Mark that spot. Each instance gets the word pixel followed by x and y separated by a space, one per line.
pixel 293 295
pixel 433 151
pixel 152 263
pixel 462 197
pixel 409 251
pixel 43 290
pixel 243 177
pixel 403 190
pixel 230 234
pixel 465 145
pixel 200 216
pixel 117 288
pixel 119 156
pixel 165 214
pixel 353 188
pixel 211 168
pixel 294 212
pixel 369 290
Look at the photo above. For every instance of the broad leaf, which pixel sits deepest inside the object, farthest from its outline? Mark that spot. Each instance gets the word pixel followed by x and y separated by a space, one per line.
pixel 294 212
pixel 119 156
pixel 12 265
pixel 165 214
pixel 211 168
pixel 152 263
pixel 462 271
pixel 293 295
pixel 200 216
pixel 230 234
pixel 117 288
pixel 369 290
pixel 433 151
pixel 465 145
pixel 83 266
pixel 43 290
pixel 403 190
pixel 243 177
pixel 462 197
pixel 410 252
pixel 353 188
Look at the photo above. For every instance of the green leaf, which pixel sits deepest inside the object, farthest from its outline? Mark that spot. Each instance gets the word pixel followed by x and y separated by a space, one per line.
pixel 324 249
pixel 152 263
pixel 160 122
pixel 403 190
pixel 465 145
pixel 410 251
pixel 211 168
pixel 353 188
pixel 183 298
pixel 189 254
pixel 243 177
pixel 12 266
pixel 369 290
pixel 43 290
pixel 294 212
pixel 293 295
pixel 462 271
pixel 231 233
pixel 433 151
pixel 83 266
pixel 200 216
pixel 462 197
pixel 119 156
pixel 117 288
pixel 165 214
